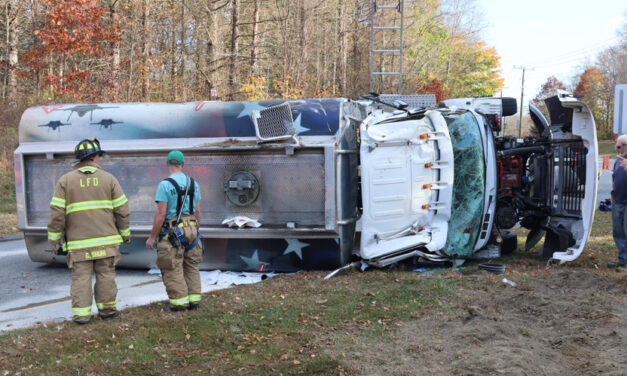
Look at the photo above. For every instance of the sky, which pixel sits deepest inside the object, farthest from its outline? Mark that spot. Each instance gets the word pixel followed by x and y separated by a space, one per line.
pixel 548 37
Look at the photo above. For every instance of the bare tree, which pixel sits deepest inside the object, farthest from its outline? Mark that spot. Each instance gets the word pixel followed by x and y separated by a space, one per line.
pixel 183 55
pixel 184 50
pixel 11 12
pixel 342 48
pixel 234 68
pixel 114 79
pixel 254 37
pixel 145 42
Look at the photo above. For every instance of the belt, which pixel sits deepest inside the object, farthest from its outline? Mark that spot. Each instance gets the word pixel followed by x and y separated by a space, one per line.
pixel 184 223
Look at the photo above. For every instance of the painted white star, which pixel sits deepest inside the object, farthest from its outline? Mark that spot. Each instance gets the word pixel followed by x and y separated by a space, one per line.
pixel 253 262
pixel 249 107
pixel 296 246
pixel 299 128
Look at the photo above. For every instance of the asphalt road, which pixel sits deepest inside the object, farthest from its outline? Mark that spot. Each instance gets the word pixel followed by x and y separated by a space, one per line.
pixel 605 182
pixel 34 294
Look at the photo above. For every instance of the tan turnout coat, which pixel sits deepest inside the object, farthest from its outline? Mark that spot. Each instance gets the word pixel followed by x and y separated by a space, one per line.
pixel 89 213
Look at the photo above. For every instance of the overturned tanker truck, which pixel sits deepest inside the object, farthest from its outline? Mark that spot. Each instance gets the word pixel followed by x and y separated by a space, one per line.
pixel 383 179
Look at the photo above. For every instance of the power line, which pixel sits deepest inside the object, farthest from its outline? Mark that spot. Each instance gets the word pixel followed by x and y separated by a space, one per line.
pixel 566 61
pixel 576 54
pixel 581 50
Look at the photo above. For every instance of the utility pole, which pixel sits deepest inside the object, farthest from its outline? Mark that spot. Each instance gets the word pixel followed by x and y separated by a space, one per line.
pixel 522 90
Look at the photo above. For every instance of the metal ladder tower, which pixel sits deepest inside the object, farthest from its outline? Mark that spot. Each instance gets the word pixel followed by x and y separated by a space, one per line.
pixel 382 51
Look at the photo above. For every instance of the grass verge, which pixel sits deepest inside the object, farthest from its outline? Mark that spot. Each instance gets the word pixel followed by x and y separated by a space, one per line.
pixel 8 216
pixel 269 328
pixel 607 147
pixel 285 325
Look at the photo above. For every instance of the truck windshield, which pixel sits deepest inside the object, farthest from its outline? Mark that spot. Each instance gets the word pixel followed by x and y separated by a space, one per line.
pixel 469 184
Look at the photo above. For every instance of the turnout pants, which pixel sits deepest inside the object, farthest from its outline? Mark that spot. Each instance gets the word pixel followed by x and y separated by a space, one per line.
pixel 179 268
pixel 83 264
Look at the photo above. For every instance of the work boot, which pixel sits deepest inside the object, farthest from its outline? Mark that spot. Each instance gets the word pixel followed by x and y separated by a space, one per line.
pixel 173 308
pixel 82 321
pixel 111 316
pixel 193 306
pixel 616 265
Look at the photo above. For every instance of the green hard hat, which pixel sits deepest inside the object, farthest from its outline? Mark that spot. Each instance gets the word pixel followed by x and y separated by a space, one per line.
pixel 175 158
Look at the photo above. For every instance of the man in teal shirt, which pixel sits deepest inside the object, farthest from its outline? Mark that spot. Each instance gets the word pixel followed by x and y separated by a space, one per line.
pixel 178 256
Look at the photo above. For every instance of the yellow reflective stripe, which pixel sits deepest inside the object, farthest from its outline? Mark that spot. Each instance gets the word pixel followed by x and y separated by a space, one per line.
pixel 54 235
pixel 57 202
pixel 125 232
pixel 180 301
pixel 94 242
pixel 119 201
pixel 88 205
pixel 88 169
pixel 194 297
pixel 109 305
pixel 85 311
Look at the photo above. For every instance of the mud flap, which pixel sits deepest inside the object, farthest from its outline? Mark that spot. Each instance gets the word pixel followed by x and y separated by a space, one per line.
pixel 557 239
pixel 535 235
pixel 510 242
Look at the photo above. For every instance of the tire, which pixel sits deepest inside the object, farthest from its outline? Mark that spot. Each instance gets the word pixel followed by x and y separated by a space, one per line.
pixel 509 106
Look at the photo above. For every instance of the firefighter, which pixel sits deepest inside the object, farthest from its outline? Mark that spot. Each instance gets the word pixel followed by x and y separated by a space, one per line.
pixel 89 217
pixel 176 223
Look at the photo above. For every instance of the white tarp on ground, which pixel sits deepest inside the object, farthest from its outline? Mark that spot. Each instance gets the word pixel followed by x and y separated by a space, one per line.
pixel 226 279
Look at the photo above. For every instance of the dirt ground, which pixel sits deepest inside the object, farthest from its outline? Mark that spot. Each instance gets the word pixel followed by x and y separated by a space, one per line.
pixel 560 322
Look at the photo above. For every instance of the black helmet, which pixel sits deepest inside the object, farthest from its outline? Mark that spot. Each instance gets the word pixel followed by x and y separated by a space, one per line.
pixel 89 147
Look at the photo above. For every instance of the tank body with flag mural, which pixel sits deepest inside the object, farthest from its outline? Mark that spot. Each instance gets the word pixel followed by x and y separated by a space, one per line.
pixel 317 183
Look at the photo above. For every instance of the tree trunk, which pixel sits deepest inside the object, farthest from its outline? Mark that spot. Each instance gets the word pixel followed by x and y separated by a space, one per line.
pixel 12 57
pixel 253 43
pixel 115 57
pixel 145 73
pixel 355 48
pixel 317 53
pixel 211 58
pixel 174 74
pixel 182 70
pixel 342 52
pixel 131 64
pixel 199 61
pixel 336 38
pixel 210 48
pixel 324 62
pixel 302 61
pixel 234 68
pixel 7 33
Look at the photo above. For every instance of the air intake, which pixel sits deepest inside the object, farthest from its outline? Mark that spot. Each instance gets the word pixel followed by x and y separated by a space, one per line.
pixel 274 123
